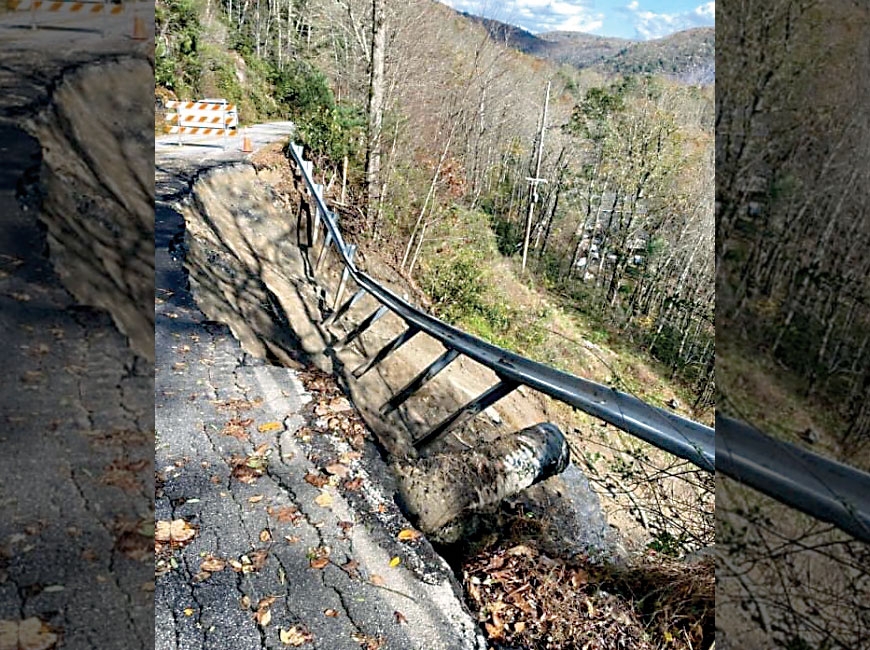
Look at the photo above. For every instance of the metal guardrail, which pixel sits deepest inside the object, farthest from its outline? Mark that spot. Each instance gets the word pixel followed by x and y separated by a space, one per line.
pixel 824 489
pixel 677 435
pixel 827 490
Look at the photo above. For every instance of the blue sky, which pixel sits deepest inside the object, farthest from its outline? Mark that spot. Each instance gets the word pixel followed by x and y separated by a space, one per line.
pixel 638 19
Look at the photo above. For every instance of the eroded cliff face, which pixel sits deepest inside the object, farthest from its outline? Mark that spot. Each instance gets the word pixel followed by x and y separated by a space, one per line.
pixel 248 267
pixel 95 188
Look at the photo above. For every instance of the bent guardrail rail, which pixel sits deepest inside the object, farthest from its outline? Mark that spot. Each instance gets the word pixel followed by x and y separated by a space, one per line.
pixel 677 435
pixel 824 489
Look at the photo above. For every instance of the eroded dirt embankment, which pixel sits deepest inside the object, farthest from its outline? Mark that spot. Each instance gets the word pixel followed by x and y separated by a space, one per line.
pixel 249 268
pixel 94 189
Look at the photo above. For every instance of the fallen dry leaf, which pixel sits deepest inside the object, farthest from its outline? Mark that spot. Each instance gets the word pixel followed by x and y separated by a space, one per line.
pixel 265 535
pixel 377 580
pixel 237 429
pixel 400 618
pixel 256 498
pixel 409 535
pixel 337 469
pixel 324 500
pixel 176 531
pixel 368 642
pixel 263 617
pixel 354 484
pixel 286 514
pixel 331 613
pixel 248 469
pixel 345 526
pixel 295 636
pixel 351 568
pixel 212 564
pixel 261 449
pixel 258 558
pixel 319 563
pixel 317 480
pixel 395 562
pixel 335 405
pixel 269 427
pixel 29 634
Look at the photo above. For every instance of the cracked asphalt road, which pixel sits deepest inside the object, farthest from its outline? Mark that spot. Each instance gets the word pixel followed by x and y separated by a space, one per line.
pixel 321 558
pixel 76 473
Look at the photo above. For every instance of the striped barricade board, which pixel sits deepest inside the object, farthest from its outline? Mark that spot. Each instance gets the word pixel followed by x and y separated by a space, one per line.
pixel 203 117
pixel 72 7
pixel 199 130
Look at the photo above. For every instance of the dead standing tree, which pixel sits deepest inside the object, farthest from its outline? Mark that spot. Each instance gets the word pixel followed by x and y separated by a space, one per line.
pixel 375 112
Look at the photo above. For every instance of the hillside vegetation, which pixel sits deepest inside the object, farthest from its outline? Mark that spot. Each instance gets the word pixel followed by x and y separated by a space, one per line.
pixel 793 322
pixel 620 235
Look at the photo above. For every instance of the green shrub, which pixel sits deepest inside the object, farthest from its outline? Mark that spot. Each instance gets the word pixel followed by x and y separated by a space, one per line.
pixel 177 65
pixel 329 130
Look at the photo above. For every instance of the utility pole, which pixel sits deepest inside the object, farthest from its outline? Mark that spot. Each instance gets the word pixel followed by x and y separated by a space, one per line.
pixel 536 180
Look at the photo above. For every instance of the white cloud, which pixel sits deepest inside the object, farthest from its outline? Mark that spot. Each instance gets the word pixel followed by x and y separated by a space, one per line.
pixel 537 15
pixel 649 24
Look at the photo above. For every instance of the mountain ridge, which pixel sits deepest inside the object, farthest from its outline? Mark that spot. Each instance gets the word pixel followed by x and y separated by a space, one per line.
pixel 687 55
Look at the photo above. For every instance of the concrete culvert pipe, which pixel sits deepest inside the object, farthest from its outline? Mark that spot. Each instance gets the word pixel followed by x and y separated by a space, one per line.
pixel 439 489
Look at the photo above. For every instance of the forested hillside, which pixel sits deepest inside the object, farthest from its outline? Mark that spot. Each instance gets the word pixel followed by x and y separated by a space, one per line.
pixel 793 322
pixel 687 56
pixel 620 228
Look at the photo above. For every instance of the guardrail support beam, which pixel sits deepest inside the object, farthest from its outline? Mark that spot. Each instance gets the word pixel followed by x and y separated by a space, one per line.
pixel 345 274
pixel 470 410
pixel 323 251
pixel 346 307
pixel 419 381
pixel 366 323
pixel 387 350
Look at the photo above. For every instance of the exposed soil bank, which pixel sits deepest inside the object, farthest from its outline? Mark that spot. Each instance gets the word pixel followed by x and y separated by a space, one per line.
pixel 96 185
pixel 246 256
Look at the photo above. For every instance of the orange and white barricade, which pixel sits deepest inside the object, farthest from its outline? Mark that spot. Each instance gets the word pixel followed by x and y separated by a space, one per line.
pixel 204 117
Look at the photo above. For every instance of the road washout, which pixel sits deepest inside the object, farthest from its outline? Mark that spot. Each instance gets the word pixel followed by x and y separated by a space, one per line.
pixel 76 539
pixel 248 268
pixel 275 525
pixel 245 252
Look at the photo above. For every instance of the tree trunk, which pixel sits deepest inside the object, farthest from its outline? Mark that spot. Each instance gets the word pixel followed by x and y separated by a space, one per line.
pixel 376 109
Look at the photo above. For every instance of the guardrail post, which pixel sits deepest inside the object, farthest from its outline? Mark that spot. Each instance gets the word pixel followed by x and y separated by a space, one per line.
pixel 366 323
pixel 323 251
pixel 345 274
pixel 387 350
pixel 419 381
pixel 346 307
pixel 470 410
pixel 318 214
